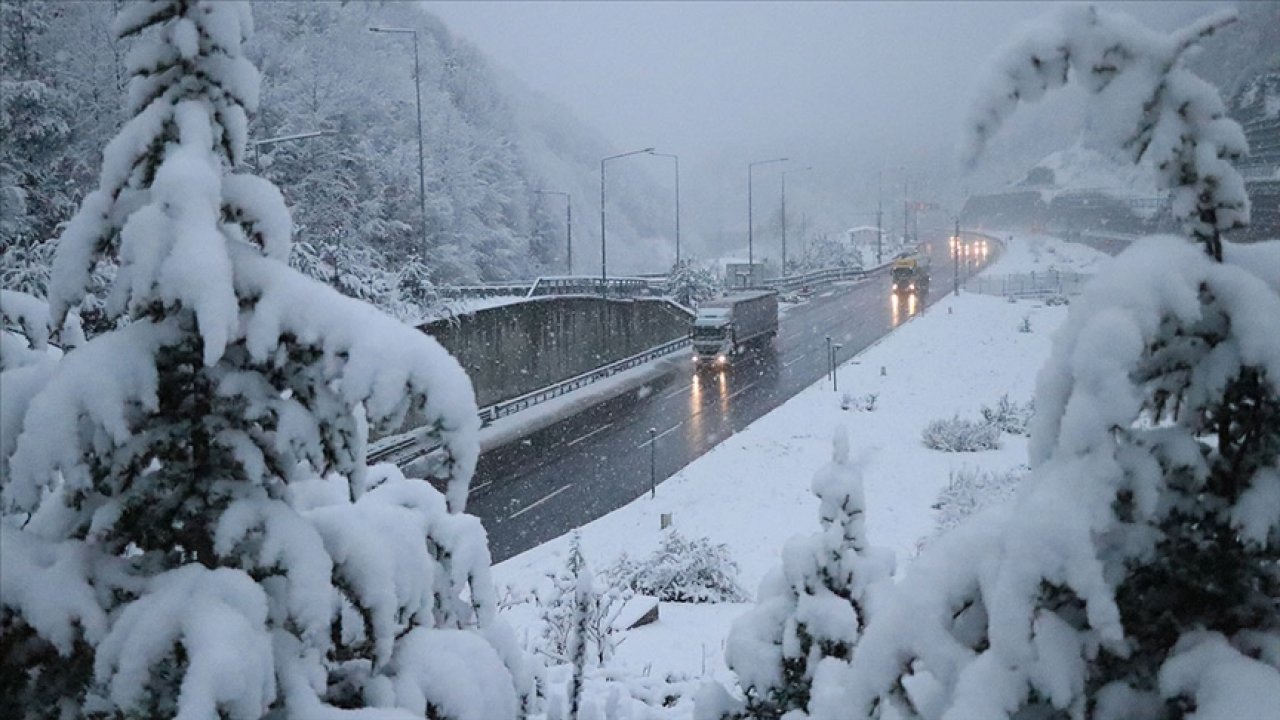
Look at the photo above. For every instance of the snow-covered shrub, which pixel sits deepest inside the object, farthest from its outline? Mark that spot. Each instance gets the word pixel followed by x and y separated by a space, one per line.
pixel 811 611
pixel 861 403
pixel 1134 575
pixel 559 608
pixel 1056 300
pixel 957 434
pixel 1009 416
pixel 682 570
pixel 689 284
pixel 1025 325
pixel 970 489
pixel 189 525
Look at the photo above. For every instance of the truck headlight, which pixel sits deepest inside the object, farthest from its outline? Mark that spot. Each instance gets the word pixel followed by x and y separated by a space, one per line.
pixel 721 359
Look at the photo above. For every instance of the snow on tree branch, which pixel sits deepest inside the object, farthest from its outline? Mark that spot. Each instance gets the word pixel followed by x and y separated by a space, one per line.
pixel 1161 114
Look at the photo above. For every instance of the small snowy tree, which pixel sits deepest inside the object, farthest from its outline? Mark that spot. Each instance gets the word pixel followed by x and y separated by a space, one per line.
pixel 689 284
pixel 814 608
pixel 560 609
pixel 189 526
pixel 1136 573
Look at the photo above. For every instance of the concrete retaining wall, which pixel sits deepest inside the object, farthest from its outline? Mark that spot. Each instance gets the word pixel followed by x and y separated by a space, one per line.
pixel 510 350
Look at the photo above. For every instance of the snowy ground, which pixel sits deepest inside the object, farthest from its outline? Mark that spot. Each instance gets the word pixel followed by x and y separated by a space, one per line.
pixel 752 491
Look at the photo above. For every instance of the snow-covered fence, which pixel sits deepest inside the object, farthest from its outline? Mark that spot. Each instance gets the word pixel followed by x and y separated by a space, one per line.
pixel 1032 284
pixel 519 288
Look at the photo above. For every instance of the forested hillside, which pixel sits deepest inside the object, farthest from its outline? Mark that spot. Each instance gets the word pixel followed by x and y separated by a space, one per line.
pixel 353 191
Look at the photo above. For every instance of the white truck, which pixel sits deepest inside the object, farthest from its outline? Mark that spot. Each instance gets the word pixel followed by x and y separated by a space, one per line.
pixel 726 327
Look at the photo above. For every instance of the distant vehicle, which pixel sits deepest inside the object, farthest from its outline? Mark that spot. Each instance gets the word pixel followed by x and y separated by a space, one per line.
pixel 726 327
pixel 911 274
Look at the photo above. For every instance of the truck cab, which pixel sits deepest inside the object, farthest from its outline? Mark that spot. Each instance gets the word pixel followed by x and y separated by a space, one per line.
pixel 726 327
pixel 910 274
pixel 713 336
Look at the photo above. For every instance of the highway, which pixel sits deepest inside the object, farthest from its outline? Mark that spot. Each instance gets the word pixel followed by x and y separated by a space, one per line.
pixel 578 469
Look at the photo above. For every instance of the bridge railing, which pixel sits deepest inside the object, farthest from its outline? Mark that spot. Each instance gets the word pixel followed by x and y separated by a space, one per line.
pixel 407 447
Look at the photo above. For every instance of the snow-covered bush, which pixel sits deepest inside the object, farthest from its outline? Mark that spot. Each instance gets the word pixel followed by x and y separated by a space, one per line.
pixel 861 403
pixel 559 608
pixel 970 489
pixel 681 570
pixel 689 284
pixel 1009 416
pixel 957 434
pixel 1025 325
pixel 189 525
pixel 1134 575
pixel 811 611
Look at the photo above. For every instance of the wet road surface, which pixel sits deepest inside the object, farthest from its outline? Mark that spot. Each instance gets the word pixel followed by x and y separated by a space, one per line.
pixel 573 471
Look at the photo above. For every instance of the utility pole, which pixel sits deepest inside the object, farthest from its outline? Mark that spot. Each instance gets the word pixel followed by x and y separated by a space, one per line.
pixel 784 215
pixel 604 267
pixel 955 252
pixel 417 89
pixel 675 157
pixel 879 218
pixel 751 259
pixel 906 210
pixel 653 462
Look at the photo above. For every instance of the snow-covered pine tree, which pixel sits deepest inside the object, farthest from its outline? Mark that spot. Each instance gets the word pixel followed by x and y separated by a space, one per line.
pixel 1136 574
pixel 689 284
pixel 189 526
pixel 811 609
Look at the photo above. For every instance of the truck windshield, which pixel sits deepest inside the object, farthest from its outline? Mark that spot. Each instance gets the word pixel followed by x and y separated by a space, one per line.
pixel 707 333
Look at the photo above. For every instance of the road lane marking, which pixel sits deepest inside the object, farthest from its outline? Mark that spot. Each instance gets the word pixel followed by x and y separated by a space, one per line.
pixel 481 486
pixel 739 391
pixel 536 503
pixel 677 392
pixel 662 434
pixel 789 363
pixel 580 438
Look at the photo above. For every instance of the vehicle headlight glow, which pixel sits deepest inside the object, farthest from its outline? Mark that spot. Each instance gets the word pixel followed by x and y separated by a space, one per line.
pixel 721 359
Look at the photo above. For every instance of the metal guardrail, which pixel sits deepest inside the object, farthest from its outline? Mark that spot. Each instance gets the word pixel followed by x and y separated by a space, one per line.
pixel 406 448
pixel 537 397
pixel 818 277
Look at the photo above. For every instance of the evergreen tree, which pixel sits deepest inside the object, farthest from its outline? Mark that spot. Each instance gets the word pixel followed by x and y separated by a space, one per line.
pixel 813 609
pixel 1136 574
pixel 189 526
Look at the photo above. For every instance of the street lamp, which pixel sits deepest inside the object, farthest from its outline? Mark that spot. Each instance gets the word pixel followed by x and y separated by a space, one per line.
pixel 675 157
pixel 417 89
pixel 955 252
pixel 568 226
pixel 257 144
pixel 751 259
pixel 784 214
pixel 604 267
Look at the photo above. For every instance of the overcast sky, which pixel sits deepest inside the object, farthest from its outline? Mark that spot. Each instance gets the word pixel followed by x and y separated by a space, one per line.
pixel 834 85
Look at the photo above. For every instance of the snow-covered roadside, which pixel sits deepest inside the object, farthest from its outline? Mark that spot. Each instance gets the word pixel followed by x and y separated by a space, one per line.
pixel 752 491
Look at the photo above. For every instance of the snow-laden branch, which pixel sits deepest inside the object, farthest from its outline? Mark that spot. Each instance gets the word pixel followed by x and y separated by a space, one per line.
pixel 1159 112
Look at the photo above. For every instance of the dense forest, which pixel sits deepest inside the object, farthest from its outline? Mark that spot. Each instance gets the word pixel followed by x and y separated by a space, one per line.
pixel 489 144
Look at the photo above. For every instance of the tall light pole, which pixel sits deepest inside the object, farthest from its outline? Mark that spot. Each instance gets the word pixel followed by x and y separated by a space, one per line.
pixel 879 218
pixel 568 226
pixel 784 214
pixel 955 253
pixel 417 90
pixel 751 257
pixel 675 157
pixel 604 267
